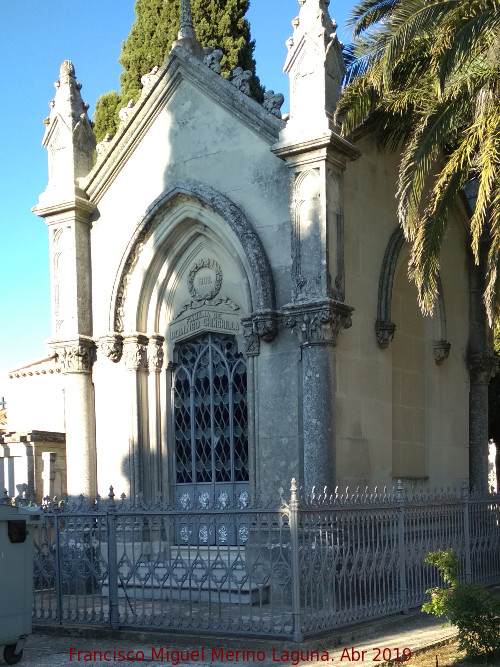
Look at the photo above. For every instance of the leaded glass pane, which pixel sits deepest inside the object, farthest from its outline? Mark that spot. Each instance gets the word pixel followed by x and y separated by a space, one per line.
pixel 210 412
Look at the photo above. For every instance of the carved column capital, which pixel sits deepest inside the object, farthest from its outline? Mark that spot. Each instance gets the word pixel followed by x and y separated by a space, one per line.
pixel 266 325
pixel 482 367
pixel 112 346
pixel 259 326
pixel 318 323
pixel 441 351
pixel 252 340
pixel 155 353
pixel 384 330
pixel 135 352
pixel 75 356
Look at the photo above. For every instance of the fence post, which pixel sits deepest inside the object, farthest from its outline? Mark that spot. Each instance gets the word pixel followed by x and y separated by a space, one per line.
pixel 295 573
pixel 466 502
pixel 57 560
pixel 112 560
pixel 400 499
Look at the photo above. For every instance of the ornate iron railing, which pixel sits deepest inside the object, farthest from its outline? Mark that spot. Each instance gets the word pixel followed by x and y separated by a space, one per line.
pixel 285 568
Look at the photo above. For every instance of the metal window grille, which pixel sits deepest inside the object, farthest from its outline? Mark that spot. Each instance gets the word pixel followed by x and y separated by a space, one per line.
pixel 210 412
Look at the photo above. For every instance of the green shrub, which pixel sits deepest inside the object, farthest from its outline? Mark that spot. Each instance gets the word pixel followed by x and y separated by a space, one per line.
pixel 470 607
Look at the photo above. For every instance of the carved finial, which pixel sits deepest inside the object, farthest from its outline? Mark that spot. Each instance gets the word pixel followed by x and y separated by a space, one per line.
pixel 241 79
pixel 186 36
pixel 212 58
pixel 186 30
pixel 315 67
pixel 68 127
pixel 103 146
pixel 273 103
pixel 67 68
pixel 148 79
pixel 126 111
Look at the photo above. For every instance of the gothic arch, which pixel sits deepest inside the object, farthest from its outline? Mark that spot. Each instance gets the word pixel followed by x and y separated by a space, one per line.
pixel 384 326
pixel 219 215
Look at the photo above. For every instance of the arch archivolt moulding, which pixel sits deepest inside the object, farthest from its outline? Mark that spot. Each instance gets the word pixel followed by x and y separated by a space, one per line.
pixel 385 328
pixel 184 212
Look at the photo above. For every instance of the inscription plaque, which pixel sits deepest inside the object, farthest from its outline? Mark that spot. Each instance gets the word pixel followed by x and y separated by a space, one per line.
pixel 205 312
pixel 207 319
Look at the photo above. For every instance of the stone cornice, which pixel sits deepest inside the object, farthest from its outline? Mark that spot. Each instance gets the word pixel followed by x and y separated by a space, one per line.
pixel 78 204
pixel 12 437
pixel 180 65
pixel 328 146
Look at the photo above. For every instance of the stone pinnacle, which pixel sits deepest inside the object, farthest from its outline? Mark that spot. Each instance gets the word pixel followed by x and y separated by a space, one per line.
pixel 186 30
pixel 186 36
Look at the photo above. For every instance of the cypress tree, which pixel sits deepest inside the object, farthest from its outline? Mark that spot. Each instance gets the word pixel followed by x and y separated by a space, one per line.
pixel 106 119
pixel 217 23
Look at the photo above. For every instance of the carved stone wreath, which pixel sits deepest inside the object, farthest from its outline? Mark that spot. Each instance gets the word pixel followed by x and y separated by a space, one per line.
pixel 205 264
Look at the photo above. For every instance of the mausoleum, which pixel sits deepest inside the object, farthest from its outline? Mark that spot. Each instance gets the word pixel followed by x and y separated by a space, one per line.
pixel 230 300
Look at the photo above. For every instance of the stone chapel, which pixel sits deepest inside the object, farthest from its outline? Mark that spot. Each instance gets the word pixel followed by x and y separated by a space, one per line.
pixel 230 300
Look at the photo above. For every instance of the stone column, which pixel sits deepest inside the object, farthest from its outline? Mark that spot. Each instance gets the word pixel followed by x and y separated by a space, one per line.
pixel 168 475
pixel 135 354
pixel 318 326
pixel 76 358
pixel 155 365
pixel 481 368
pixel 67 211
pixel 316 156
pixel 48 475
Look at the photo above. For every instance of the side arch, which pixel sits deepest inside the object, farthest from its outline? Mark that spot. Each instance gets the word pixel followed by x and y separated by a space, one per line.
pixel 263 292
pixel 385 328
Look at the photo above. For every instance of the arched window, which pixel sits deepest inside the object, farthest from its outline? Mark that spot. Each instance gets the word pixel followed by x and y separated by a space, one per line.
pixel 210 418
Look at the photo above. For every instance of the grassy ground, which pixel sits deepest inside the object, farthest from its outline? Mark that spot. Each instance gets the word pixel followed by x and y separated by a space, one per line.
pixel 449 656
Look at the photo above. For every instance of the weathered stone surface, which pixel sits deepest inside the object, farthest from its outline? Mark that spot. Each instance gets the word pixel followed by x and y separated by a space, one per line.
pixel 239 225
pixel 186 38
pixel 241 79
pixel 68 138
pixel 208 216
pixel 212 58
pixel 135 352
pixel 273 102
pixel 112 346
pixel 315 67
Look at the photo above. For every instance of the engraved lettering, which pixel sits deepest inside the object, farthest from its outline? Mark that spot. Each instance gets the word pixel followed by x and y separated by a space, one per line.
pixel 204 320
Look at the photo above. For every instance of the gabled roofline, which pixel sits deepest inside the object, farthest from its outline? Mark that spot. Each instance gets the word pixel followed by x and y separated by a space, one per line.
pixel 180 65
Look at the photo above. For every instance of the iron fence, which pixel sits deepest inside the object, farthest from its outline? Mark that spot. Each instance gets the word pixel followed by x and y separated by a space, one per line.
pixel 288 568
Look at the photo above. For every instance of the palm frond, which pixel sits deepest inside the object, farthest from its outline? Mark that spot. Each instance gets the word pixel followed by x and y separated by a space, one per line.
pixel 368 13
pixel 470 42
pixel 426 75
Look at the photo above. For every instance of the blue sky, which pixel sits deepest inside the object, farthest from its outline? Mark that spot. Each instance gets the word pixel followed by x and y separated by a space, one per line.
pixel 36 36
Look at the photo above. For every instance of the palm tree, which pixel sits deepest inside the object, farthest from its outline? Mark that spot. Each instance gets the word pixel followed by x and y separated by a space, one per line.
pixel 426 75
